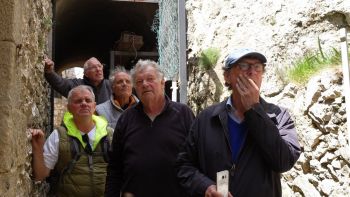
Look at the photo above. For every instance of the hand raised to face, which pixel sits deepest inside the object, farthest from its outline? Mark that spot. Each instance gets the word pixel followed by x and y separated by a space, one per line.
pixel 248 90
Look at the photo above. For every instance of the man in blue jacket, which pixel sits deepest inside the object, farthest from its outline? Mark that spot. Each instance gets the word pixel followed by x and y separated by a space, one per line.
pixel 254 140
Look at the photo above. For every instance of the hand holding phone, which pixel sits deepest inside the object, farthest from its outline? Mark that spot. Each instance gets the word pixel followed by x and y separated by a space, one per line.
pixel 222 180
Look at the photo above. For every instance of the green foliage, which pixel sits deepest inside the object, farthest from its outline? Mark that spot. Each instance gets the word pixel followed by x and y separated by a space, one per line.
pixel 46 24
pixel 208 58
pixel 311 63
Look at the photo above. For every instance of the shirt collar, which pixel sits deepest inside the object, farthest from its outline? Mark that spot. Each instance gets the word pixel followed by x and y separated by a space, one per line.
pixel 231 110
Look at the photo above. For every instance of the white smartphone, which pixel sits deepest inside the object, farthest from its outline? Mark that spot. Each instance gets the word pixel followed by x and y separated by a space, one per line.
pixel 222 179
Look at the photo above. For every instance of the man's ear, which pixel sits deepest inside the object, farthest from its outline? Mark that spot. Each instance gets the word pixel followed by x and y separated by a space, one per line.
pixel 226 76
pixel 93 108
pixel 68 107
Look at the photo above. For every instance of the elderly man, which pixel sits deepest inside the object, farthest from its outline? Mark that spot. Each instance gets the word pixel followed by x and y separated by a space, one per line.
pixel 147 139
pixel 76 151
pixel 93 77
pixel 121 99
pixel 253 140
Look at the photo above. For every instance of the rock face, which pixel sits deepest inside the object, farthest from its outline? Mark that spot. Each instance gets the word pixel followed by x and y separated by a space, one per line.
pixel 24 93
pixel 320 118
pixel 283 31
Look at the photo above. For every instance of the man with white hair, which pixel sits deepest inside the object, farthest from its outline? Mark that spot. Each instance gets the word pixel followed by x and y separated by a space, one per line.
pixel 147 139
pixel 93 77
pixel 121 99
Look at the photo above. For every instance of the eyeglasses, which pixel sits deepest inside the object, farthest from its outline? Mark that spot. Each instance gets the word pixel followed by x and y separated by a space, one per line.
pixel 95 67
pixel 258 67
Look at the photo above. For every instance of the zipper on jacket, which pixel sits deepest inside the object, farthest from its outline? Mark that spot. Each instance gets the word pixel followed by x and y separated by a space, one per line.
pixel 232 170
pixel 226 132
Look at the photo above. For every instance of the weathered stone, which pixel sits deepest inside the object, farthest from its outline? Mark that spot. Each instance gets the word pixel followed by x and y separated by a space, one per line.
pixel 315 165
pixel 320 113
pixel 327 157
pixel 337 119
pixel 332 141
pixel 306 187
pixel 336 164
pixel 321 149
pixel 287 191
pixel 22 86
pixel 331 128
pixel 333 173
pixel 313 92
pixel 345 153
pixel 310 137
pixel 330 95
pixel 327 186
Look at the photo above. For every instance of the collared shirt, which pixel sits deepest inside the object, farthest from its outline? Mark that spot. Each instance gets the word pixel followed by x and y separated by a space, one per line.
pixel 51 147
pixel 231 111
pixel 236 128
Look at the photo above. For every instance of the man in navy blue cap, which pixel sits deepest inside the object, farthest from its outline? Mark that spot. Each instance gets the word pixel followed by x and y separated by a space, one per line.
pixel 253 140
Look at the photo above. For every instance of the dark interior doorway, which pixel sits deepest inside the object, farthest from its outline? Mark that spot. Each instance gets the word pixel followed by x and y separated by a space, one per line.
pixel 86 28
pixel 92 28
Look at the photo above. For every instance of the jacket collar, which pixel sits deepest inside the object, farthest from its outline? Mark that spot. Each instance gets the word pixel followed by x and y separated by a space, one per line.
pixel 133 101
pixel 101 128
pixel 88 82
pixel 268 108
pixel 139 105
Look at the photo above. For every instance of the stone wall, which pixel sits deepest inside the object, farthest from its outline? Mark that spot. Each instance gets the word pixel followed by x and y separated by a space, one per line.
pixel 318 109
pixel 24 100
pixel 283 31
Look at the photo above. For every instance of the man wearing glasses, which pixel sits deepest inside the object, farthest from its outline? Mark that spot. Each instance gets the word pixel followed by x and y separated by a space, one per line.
pixel 253 140
pixel 93 77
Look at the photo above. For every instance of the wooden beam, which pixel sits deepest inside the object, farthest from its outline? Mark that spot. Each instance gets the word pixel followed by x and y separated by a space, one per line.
pixel 139 1
pixel 138 53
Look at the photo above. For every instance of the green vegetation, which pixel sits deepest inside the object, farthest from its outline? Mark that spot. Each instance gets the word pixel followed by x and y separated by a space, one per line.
pixel 312 63
pixel 208 58
pixel 46 24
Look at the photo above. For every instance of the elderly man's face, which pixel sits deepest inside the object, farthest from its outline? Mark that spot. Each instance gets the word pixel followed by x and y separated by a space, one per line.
pixel 122 87
pixel 81 104
pixel 95 71
pixel 149 86
pixel 253 72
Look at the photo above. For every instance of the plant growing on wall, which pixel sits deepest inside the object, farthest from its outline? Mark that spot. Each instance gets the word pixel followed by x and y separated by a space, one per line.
pixel 311 63
pixel 208 58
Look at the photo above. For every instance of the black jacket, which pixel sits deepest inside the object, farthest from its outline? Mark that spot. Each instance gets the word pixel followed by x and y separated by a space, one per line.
pixel 102 92
pixel 144 153
pixel 271 147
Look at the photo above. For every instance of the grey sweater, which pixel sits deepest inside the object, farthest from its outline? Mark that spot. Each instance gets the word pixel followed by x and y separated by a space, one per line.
pixel 111 111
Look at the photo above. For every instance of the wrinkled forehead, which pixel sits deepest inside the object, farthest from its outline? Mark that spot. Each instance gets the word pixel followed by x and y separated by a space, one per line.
pixel 79 93
pixel 147 70
pixel 119 75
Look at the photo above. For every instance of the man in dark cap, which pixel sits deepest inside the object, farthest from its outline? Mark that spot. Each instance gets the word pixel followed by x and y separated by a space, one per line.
pixel 253 140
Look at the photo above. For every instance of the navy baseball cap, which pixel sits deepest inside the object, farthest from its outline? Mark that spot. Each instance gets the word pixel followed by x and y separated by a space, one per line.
pixel 237 54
